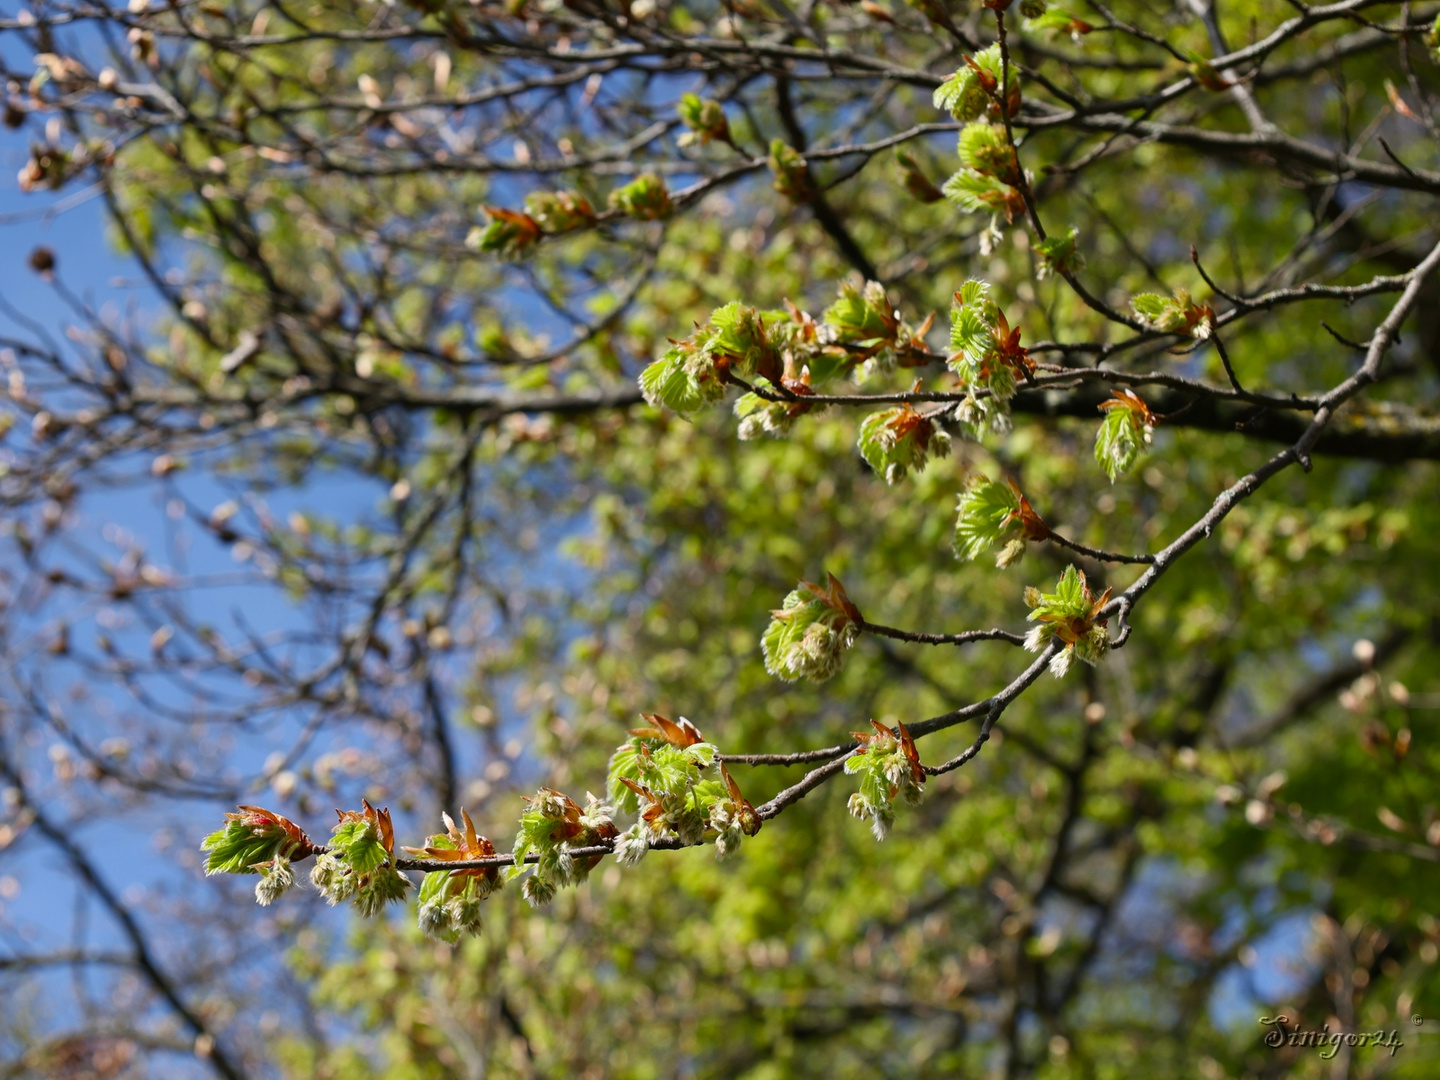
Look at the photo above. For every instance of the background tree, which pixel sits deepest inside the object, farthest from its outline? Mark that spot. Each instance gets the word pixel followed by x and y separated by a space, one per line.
pixel 370 505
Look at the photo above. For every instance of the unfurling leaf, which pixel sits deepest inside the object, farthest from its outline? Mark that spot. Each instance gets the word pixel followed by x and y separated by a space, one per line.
pixel 694 372
pixel 360 865
pixel 894 441
pixel 1056 20
pixel 1059 254
pixel 553 826
pixel 559 211
pixel 1177 314
pixel 450 899
pixel 972 89
pixel 888 766
pixel 991 512
pixel 809 633
pixel 257 841
pixel 1207 75
pixel 985 148
pixel 916 182
pixel 705 119
pixel 1127 428
pixel 792 174
pixel 1070 614
pixel 509 232
pixel 644 198
pixel 988 357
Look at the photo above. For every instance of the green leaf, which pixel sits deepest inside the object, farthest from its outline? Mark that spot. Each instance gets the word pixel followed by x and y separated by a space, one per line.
pixel 807 638
pixel 1177 314
pixel 1118 443
pixel 895 441
pixel 977 192
pixel 1059 254
pixel 1058 20
pixel 984 148
pixel 236 849
pixel 964 94
pixel 862 316
pixel 667 383
pixel 358 842
pixel 984 517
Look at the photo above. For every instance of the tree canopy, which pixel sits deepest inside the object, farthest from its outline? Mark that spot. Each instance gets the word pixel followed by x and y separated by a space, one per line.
pixel 631 457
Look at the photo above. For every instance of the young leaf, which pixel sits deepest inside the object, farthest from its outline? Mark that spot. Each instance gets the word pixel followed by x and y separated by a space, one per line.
pixel 792 174
pixel 1070 614
pixel 705 119
pixel 1126 429
pixel 894 441
pixel 1056 20
pixel 450 899
pixel 694 372
pixel 915 180
pixel 508 233
pixel 644 198
pixel 984 148
pixel 978 192
pixel 360 865
pixel 252 837
pixel 968 92
pixel 888 766
pixel 991 512
pixel 1177 314
pixel 559 211
pixel 1059 254
pixel 809 633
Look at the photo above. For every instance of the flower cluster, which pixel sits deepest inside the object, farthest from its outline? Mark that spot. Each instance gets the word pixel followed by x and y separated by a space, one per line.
pixel 894 441
pixel 1071 614
pixel 553 826
pixel 450 899
pixel 1128 426
pixel 663 773
pixel 810 632
pixel 759 415
pixel 256 841
pixel 990 512
pixel 888 766
pixel 360 863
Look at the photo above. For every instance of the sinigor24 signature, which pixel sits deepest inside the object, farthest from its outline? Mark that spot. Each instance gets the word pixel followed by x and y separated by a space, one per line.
pixel 1326 1041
